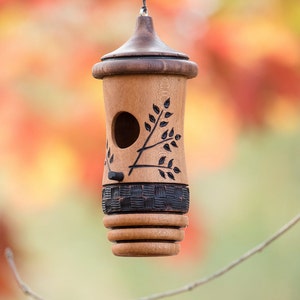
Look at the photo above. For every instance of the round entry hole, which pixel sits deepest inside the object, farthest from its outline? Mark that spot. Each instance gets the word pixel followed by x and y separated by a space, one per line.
pixel 126 129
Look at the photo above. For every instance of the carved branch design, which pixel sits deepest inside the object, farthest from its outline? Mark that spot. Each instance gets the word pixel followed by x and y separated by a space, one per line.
pixel 109 159
pixel 168 138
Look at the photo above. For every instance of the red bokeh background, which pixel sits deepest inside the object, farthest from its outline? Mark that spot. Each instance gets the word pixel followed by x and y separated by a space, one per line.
pixel 52 131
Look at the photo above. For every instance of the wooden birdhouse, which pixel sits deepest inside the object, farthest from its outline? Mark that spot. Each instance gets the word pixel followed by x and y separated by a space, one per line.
pixel 145 192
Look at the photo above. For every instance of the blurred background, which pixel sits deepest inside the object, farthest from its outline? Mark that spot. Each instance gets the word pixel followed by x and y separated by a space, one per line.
pixel 242 140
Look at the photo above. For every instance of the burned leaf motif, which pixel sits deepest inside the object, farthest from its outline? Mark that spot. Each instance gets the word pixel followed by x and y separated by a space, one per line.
pixel 156 109
pixel 147 126
pixel 152 118
pixel 111 160
pixel 170 164
pixel 162 160
pixel 171 176
pixel 167 103
pixel 171 132
pixel 167 147
pixel 164 135
pixel 163 124
pixel 108 153
pixel 168 114
pixel 177 137
pixel 173 143
pixel 176 170
pixel 162 173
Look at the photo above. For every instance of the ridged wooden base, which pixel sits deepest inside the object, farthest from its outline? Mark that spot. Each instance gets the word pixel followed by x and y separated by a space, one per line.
pixel 145 234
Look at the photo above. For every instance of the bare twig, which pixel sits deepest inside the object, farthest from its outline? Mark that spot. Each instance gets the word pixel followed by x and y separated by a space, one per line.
pixel 25 289
pixel 235 263
pixel 189 287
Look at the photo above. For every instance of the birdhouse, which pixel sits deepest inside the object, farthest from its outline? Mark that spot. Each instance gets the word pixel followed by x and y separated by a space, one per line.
pixel 145 192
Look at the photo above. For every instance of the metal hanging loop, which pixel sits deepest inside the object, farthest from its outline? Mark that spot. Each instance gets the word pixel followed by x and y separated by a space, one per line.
pixel 144 9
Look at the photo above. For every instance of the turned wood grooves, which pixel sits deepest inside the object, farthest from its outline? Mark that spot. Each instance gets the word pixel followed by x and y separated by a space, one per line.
pixel 145 234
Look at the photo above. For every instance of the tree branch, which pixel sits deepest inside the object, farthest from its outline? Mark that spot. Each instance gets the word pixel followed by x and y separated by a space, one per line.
pixel 235 263
pixel 25 289
pixel 189 287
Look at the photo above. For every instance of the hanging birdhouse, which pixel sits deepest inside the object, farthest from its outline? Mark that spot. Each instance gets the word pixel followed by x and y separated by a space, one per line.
pixel 145 192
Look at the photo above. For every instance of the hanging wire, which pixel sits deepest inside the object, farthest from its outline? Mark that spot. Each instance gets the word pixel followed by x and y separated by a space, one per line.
pixel 144 9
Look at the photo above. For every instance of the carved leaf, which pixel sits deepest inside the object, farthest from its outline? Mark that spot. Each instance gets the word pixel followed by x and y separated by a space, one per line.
pixel 164 135
pixel 112 159
pixel 167 147
pixel 156 109
pixel 170 175
pixel 168 114
pixel 163 124
pixel 108 153
pixel 147 126
pixel 167 103
pixel 152 118
pixel 171 132
pixel 170 164
pixel 177 137
pixel 176 170
pixel 162 173
pixel 162 160
pixel 173 143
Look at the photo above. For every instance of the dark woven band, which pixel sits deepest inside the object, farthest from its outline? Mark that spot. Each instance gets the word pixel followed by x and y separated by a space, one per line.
pixel 146 197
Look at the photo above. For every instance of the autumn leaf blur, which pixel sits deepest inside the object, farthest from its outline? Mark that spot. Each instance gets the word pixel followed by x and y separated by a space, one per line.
pixel 7 288
pixel 242 140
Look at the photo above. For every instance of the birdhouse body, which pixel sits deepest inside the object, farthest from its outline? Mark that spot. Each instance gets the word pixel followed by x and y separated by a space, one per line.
pixel 142 133
pixel 145 188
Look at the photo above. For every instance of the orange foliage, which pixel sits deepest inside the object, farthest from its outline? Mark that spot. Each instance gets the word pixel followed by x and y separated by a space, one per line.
pixel 51 108
pixel 7 284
